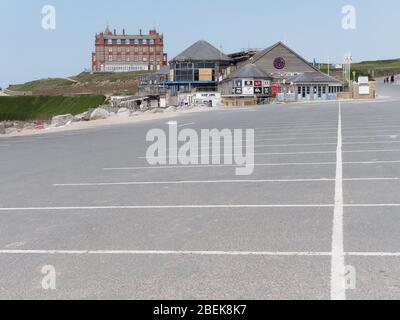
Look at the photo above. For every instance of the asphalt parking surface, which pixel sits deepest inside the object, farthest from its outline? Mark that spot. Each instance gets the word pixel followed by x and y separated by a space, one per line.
pixel 87 203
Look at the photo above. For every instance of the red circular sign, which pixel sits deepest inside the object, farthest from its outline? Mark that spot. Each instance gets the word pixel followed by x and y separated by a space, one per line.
pixel 279 63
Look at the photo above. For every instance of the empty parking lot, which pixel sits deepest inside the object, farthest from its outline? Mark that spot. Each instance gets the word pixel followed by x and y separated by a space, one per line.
pixel 323 197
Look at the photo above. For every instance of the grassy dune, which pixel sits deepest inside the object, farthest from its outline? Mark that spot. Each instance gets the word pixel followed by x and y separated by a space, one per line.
pixel 44 107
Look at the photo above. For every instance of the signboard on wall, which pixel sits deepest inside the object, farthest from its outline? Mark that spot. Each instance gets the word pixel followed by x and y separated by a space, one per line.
pixel 267 90
pixel 267 83
pixel 238 83
pixel 258 90
pixel 238 90
pixel 363 89
pixel 258 83
pixel 248 83
pixel 248 90
pixel 205 74
pixel 171 75
pixel 363 80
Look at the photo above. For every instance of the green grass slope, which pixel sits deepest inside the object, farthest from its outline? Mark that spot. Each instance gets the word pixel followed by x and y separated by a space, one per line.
pixel 44 107
pixel 42 84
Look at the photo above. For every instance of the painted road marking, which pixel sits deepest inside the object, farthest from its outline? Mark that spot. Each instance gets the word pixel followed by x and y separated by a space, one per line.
pixel 279 206
pixel 338 284
pixel 327 129
pixel 195 253
pixel 325 138
pixel 187 182
pixel 319 133
pixel 186 125
pixel 222 166
pixel 156 252
pixel 292 153
pixel 267 206
pixel 139 183
pixel 256 165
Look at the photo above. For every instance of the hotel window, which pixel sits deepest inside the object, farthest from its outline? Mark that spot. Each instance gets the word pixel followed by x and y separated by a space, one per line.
pixel 110 49
pixel 151 41
pixel 127 49
pixel 109 41
pixel 127 42
pixel 151 49
pixel 118 41
pixel 144 49
pixel 144 41
pixel 119 49
pixel 110 58
pixel 128 59
pixel 136 41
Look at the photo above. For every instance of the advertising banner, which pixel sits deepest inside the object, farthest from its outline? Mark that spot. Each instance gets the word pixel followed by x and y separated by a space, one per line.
pixel 238 90
pixel 257 83
pixel 238 83
pixel 248 90
pixel 267 83
pixel 258 90
pixel 248 83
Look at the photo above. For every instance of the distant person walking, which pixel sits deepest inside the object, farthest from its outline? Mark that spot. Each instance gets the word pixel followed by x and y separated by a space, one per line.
pixel 392 80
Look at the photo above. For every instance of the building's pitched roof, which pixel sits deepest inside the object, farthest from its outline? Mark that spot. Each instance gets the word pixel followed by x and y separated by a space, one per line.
pixel 248 71
pixel 313 77
pixel 201 51
pixel 262 53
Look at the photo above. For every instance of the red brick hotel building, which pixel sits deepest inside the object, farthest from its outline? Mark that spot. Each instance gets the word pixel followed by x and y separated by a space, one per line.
pixel 124 53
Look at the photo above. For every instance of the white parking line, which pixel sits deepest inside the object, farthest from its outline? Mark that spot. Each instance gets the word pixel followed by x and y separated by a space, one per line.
pixel 256 165
pixel 338 288
pixel 194 253
pixel 222 166
pixel 267 206
pixel 323 134
pixel 373 254
pixel 228 206
pixel 163 253
pixel 139 183
pixel 186 125
pixel 323 129
pixel 324 144
pixel 325 138
pixel 135 183
pixel 292 153
pixel 372 162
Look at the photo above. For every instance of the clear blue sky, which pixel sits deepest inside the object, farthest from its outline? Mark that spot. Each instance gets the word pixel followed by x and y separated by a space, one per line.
pixel 310 27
